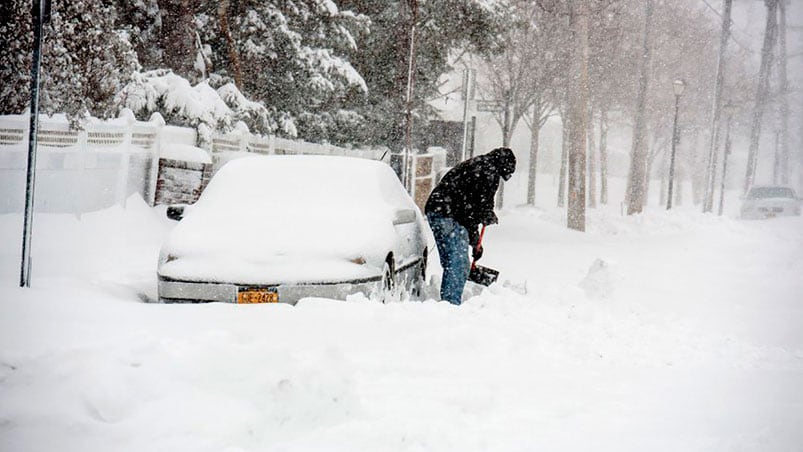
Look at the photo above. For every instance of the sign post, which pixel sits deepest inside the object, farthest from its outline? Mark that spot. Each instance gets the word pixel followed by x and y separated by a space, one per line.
pixel 490 105
pixel 468 80
pixel 40 12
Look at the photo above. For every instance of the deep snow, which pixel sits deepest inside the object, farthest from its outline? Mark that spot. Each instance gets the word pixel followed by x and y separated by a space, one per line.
pixel 663 332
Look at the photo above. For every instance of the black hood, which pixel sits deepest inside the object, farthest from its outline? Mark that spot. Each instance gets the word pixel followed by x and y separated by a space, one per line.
pixel 505 161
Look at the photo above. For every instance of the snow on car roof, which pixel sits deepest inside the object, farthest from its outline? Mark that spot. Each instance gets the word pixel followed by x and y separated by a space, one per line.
pixel 283 181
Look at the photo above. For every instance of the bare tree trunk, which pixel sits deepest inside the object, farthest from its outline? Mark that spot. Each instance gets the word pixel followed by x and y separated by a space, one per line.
pixel 564 163
pixel 665 175
pixel 638 155
pixel 784 87
pixel 762 91
pixel 506 134
pixel 678 192
pixel 592 162
pixel 647 175
pixel 776 164
pixel 533 170
pixel 697 168
pixel 603 156
pixel 178 36
pixel 578 112
pixel 507 129
pixel 664 184
pixel 653 152
pixel 234 56
pixel 711 168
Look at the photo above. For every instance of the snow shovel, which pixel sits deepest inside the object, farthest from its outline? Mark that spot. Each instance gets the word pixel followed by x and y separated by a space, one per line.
pixel 482 275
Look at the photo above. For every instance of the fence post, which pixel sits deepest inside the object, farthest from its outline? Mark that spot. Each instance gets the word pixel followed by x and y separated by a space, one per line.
pixel 125 162
pixel 243 142
pixel 158 123
pixel 83 149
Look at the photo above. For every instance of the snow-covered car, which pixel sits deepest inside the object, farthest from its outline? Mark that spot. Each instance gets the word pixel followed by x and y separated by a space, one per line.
pixel 768 201
pixel 280 228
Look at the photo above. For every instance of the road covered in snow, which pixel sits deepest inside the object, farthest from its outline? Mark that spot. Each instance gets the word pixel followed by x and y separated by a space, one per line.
pixel 663 332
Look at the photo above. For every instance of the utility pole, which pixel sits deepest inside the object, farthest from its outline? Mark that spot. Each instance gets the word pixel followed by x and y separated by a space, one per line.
pixel 711 167
pixel 408 131
pixel 784 88
pixel 762 91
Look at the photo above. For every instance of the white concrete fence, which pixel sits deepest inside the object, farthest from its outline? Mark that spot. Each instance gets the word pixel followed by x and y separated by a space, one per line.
pixel 109 161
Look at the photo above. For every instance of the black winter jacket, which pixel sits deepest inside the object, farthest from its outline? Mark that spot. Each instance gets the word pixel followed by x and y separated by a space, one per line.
pixel 466 192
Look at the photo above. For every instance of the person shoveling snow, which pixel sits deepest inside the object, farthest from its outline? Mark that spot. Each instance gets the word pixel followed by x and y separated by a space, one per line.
pixel 461 202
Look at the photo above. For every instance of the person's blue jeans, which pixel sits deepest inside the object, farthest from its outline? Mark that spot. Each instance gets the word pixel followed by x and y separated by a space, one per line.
pixel 452 241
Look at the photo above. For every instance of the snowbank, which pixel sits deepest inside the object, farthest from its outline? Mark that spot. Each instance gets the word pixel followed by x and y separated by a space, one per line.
pixel 184 152
pixel 668 332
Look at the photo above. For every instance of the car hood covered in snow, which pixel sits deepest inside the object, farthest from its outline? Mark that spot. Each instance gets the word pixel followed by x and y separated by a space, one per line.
pixel 288 219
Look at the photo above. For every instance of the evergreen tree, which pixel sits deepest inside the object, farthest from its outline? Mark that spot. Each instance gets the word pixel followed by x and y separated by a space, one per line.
pixel 291 56
pixel 85 60
pixel 16 41
pixel 326 70
pixel 444 26
pixel 142 21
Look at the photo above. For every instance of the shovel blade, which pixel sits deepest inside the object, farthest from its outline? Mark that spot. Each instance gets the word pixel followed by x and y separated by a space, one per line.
pixel 483 275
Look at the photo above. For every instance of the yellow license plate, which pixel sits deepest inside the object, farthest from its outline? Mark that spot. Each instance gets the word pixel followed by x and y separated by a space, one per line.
pixel 254 296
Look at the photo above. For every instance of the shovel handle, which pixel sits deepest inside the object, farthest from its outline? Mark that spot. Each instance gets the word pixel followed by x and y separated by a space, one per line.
pixel 479 244
pixel 482 234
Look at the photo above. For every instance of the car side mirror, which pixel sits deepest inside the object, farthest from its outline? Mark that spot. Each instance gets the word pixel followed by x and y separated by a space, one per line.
pixel 404 216
pixel 175 212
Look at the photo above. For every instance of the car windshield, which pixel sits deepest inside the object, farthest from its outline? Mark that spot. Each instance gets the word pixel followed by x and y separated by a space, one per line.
pixel 771 192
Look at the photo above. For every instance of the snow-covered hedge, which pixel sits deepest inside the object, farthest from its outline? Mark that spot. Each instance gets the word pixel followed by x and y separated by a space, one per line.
pixel 200 106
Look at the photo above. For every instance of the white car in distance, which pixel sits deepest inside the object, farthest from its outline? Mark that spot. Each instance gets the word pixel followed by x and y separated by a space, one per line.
pixel 273 229
pixel 769 201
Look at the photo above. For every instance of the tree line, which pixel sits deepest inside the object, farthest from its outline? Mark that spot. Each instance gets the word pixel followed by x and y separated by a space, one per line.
pixel 603 63
pixel 320 70
pixel 339 72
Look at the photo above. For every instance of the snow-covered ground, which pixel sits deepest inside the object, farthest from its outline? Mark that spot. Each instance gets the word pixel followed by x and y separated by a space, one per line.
pixel 662 332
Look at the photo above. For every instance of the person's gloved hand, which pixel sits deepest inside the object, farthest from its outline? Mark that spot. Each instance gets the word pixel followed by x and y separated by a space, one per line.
pixel 477 253
pixel 490 219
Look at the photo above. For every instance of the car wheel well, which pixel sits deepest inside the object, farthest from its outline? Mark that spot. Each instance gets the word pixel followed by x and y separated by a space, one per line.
pixel 424 262
pixel 388 284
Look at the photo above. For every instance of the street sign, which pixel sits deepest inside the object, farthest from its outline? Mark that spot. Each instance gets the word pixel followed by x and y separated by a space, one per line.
pixel 490 105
